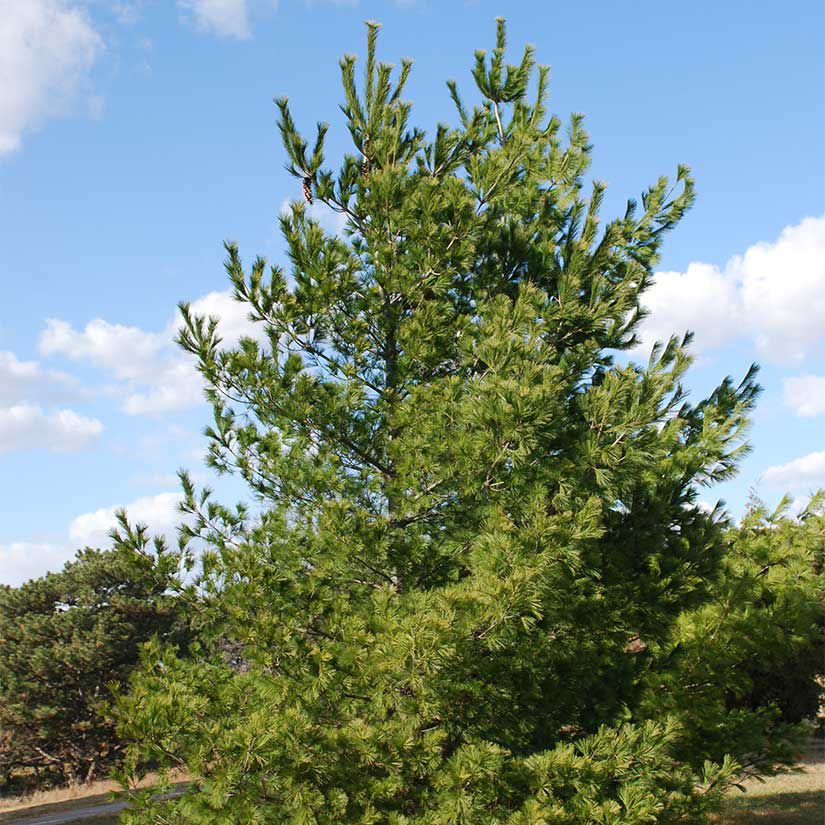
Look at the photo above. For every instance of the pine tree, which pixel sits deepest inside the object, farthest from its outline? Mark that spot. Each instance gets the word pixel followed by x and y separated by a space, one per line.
pixel 476 521
pixel 64 639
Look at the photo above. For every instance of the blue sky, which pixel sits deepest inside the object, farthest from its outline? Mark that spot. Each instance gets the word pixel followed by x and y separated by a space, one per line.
pixel 136 136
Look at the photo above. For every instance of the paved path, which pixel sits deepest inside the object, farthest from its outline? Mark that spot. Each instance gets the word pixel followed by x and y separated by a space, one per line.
pixel 67 816
pixel 59 817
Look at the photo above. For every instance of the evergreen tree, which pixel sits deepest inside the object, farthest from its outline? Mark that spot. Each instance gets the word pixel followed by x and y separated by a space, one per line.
pixel 65 639
pixel 476 521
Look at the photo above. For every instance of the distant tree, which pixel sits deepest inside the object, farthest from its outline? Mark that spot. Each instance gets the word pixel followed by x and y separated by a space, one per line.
pixel 477 528
pixel 65 640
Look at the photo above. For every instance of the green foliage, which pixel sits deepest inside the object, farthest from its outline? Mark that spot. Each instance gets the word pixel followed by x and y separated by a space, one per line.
pixel 742 669
pixel 476 527
pixel 65 639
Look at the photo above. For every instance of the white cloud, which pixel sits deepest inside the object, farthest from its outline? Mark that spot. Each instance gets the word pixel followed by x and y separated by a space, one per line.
pixel 227 18
pixel 126 13
pixel 805 394
pixel 24 560
pixel 159 512
pixel 233 315
pixel 47 48
pixel 798 504
pixel 24 424
pixel 154 375
pixel 17 378
pixel 164 479
pixel 127 352
pixel 402 4
pixel 702 299
pixel 26 427
pixel 774 295
pixel 806 471
pixel 784 290
pixel 28 381
pixel 177 386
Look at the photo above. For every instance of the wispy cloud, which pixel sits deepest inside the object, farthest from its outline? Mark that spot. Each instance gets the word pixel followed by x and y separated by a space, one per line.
pixel 226 18
pixel 805 394
pixel 805 471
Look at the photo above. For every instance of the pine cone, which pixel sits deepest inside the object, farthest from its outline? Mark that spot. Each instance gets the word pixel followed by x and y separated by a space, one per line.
pixel 635 645
pixel 308 189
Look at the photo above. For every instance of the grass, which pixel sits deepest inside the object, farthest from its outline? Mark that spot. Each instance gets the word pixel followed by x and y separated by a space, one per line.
pixel 789 799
